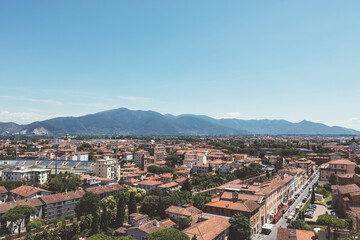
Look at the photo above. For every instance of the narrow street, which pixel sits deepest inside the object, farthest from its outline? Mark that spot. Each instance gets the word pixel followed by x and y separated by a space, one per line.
pixel 282 222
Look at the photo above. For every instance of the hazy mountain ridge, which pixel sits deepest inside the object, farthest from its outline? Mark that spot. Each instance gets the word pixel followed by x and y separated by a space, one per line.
pixel 123 121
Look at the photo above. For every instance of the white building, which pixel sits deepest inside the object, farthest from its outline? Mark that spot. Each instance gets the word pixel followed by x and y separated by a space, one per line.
pixel 107 168
pixel 24 174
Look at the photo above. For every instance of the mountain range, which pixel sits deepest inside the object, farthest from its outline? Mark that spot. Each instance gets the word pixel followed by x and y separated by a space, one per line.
pixel 123 121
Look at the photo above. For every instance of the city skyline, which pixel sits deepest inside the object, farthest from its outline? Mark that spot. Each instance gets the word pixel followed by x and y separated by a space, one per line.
pixel 275 60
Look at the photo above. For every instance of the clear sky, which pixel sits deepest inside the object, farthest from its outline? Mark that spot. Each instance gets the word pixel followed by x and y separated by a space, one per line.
pixel 290 60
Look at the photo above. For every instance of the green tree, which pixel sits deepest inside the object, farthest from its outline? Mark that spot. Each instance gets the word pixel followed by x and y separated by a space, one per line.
pixel 104 218
pixel 200 200
pixel 351 236
pixel 95 227
pixel 183 222
pixel 333 179
pixel 132 204
pixel 99 236
pixel 357 170
pixel 34 224
pixel 239 228
pixel 186 185
pixel 209 168
pixel 166 234
pixel 173 160
pixel 18 215
pixel 88 204
pixel 267 174
pixel 64 182
pixel 299 224
pixel 120 215
pixel 331 222
pixel 312 195
pixel 194 237
pixel 161 209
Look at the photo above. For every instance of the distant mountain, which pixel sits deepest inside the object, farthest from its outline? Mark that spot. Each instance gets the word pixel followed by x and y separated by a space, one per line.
pixel 123 121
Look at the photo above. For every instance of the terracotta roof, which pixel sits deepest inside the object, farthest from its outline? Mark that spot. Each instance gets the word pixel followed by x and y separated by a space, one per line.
pixel 154 225
pixel 105 189
pixel 33 202
pixel 138 216
pixel 342 161
pixel 62 197
pixel 169 185
pixel 208 229
pixel 242 206
pixel 150 183
pixel 26 191
pixel 293 234
pixel 350 188
pixel 3 190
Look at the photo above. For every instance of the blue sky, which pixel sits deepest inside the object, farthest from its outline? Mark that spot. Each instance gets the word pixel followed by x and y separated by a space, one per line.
pixel 290 60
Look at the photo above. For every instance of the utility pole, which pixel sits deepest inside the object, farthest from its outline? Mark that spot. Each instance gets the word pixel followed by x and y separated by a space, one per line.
pixel 56 164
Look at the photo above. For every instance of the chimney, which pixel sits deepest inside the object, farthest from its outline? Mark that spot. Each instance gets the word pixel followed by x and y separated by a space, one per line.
pixel 235 196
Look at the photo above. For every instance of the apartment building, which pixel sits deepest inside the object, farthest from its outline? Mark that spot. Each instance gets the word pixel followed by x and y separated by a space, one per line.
pixel 24 174
pixel 107 168
pixel 307 165
pixel 251 206
pixel 159 156
pixel 139 157
pixel 340 166
pixel 61 204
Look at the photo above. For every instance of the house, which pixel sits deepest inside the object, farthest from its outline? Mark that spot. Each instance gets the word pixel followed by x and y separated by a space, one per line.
pixel 148 184
pixel 136 219
pixel 34 202
pixel 214 228
pixel 140 232
pixel 23 192
pixel 106 190
pixel 173 186
pixel 167 177
pixel 90 181
pixel 127 156
pixel 345 196
pixel 106 181
pixel 174 213
pixel 294 234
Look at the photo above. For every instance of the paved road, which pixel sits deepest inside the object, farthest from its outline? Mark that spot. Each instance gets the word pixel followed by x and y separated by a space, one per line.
pixel 282 222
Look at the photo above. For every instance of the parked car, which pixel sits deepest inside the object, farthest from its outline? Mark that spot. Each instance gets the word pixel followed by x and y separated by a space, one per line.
pixel 331 207
pixel 304 200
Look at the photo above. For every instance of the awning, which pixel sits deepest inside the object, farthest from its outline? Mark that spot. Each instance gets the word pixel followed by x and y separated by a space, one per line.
pixel 280 205
pixel 277 215
pixel 284 208
pixel 291 200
